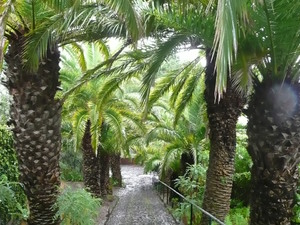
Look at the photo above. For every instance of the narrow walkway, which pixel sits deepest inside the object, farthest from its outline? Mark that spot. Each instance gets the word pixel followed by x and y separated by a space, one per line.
pixel 138 203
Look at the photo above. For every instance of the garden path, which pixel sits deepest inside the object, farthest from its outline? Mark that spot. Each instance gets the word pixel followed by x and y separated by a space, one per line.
pixel 138 202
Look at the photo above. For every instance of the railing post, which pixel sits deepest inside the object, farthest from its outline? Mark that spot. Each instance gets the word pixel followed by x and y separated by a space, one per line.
pixel 167 195
pixel 211 217
pixel 191 219
pixel 163 190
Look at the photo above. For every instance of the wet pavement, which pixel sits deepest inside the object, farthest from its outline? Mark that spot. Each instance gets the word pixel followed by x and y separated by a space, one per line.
pixel 138 202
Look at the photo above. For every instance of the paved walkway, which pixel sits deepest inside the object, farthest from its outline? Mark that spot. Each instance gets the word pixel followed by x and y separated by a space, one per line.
pixel 138 203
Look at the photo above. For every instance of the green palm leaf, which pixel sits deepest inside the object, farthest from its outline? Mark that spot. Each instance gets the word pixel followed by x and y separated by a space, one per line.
pixel 187 93
pixel 164 50
pixel 125 9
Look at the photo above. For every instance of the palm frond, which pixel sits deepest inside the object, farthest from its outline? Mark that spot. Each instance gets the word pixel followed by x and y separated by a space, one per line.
pixel 78 125
pixel 171 153
pixel 164 50
pixel 187 93
pixel 103 47
pixel 38 42
pixel 5 10
pixel 77 49
pixel 125 10
pixel 180 83
pixel 163 133
pixel 134 118
pixel 229 14
pixel 97 72
pixel 114 119
pixel 165 83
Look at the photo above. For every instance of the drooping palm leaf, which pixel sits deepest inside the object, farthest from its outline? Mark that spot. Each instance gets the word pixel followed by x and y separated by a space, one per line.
pixel 125 9
pixel 187 93
pixel 229 14
pixel 164 50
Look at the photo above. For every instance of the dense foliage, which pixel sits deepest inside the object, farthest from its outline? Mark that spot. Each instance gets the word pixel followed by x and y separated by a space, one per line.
pixel 77 207
pixel 70 162
pixel 12 198
pixel 4 105
pixel 192 185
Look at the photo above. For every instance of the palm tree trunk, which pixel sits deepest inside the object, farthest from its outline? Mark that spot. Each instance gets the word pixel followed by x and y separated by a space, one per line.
pixel 115 160
pixel 273 144
pixel 91 163
pixel 222 116
pixel 36 116
pixel 104 172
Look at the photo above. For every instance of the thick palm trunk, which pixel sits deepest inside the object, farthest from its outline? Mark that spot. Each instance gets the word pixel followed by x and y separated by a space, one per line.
pixel 115 160
pixel 104 172
pixel 273 137
pixel 36 116
pixel 91 163
pixel 223 118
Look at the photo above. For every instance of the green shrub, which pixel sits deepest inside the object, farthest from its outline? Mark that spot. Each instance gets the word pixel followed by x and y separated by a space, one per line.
pixel 77 207
pixel 70 162
pixel 4 106
pixel 238 216
pixel 241 180
pixel 12 202
pixel 191 185
pixel 12 197
pixel 70 174
pixel 8 162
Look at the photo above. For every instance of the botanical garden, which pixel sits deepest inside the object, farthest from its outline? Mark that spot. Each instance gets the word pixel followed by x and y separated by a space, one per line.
pixel 205 94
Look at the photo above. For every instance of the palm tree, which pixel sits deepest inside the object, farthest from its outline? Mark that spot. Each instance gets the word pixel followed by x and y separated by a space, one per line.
pixel 181 144
pixel 35 114
pixel 196 27
pixel 33 30
pixel 271 35
pixel 97 112
pixel 76 60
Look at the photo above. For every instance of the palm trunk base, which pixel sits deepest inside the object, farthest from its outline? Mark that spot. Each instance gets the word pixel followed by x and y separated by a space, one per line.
pixel 104 173
pixel 222 117
pixel 36 116
pixel 273 144
pixel 272 197
pixel 91 163
pixel 42 212
pixel 115 161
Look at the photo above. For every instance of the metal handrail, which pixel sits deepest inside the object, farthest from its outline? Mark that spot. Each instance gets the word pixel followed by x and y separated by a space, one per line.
pixel 192 204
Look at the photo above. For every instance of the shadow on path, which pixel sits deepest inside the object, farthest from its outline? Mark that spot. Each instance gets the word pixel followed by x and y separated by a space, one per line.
pixel 138 202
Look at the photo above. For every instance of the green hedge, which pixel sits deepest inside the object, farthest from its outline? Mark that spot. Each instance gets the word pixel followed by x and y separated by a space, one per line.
pixel 8 162
pixel 12 197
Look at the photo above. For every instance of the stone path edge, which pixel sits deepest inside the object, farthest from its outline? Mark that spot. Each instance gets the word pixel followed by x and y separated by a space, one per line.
pixel 168 208
pixel 106 210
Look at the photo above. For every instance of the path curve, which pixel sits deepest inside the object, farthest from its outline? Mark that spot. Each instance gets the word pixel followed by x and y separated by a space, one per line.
pixel 138 203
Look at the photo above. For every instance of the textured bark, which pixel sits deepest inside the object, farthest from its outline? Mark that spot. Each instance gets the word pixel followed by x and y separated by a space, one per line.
pixel 91 163
pixel 36 116
pixel 222 118
pixel 104 172
pixel 274 140
pixel 115 160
